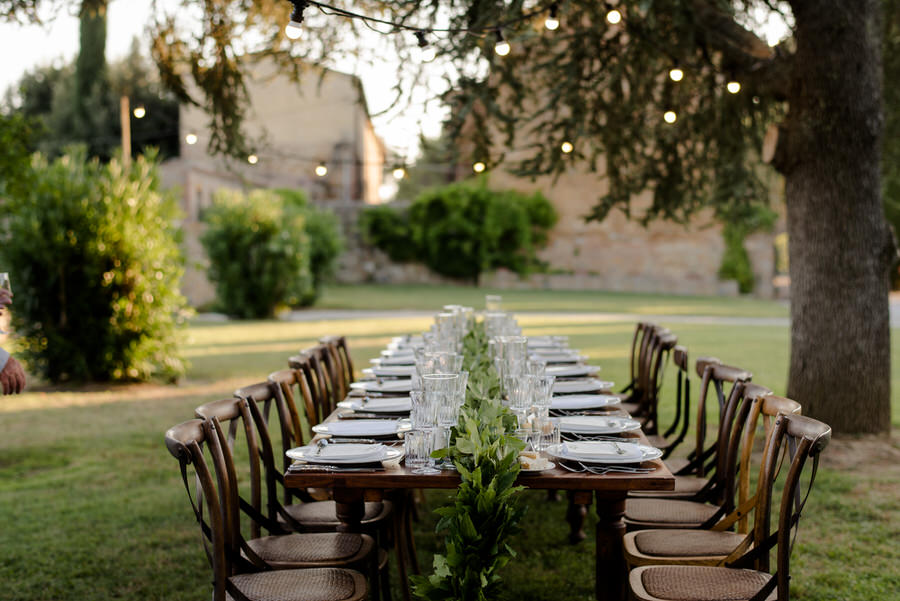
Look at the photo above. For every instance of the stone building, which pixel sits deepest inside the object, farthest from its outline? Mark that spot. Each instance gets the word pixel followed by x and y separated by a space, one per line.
pixel 323 121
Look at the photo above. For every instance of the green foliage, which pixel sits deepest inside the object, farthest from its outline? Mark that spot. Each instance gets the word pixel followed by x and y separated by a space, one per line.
pixel 49 96
pixel 258 252
pixel 95 266
pixel 16 135
pixel 464 229
pixel 325 239
pixel 478 524
pixel 740 223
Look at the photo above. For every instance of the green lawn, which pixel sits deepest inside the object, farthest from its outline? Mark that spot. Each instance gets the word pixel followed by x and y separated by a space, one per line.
pixel 92 504
pixel 428 298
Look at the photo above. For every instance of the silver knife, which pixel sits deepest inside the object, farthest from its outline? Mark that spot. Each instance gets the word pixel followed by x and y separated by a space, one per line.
pixel 331 468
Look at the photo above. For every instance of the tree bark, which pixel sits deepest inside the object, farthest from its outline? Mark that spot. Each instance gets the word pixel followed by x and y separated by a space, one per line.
pixel 840 244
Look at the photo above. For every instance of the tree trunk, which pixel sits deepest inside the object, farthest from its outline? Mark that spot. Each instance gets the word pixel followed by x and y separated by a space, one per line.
pixel 840 244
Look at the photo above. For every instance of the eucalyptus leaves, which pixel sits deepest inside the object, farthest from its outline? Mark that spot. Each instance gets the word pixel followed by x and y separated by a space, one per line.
pixel 480 520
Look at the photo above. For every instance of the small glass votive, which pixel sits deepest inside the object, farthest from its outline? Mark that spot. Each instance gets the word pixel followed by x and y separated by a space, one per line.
pixel 547 432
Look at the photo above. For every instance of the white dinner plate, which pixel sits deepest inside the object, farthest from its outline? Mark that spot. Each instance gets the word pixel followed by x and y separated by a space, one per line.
pixel 584 385
pixel 397 360
pixel 575 402
pixel 331 454
pixel 390 371
pixel 601 452
pixel 572 371
pixel 597 424
pixel 389 386
pixel 399 404
pixel 363 427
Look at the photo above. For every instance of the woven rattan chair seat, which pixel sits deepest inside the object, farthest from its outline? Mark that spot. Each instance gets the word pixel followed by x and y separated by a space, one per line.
pixel 321 584
pixel 667 513
pixel 686 543
pixel 324 513
pixel 685 486
pixel 325 547
pixel 695 583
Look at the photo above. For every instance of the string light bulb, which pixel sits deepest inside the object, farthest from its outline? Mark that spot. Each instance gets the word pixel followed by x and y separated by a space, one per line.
pixel 479 167
pixel 253 159
pixel 502 47
pixel 321 170
pixel 567 147
pixel 294 29
pixel 552 20
pixel 399 173
pixel 427 52
pixel 139 111
pixel 191 139
pixel 676 74
pixel 670 117
pixel 733 87
pixel 614 16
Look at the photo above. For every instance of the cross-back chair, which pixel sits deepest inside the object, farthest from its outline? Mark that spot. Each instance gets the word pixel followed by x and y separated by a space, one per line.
pixel 234 575
pixel 716 498
pixel 675 434
pixel 715 545
pixel 745 573
pixel 341 352
pixel 658 356
pixel 638 345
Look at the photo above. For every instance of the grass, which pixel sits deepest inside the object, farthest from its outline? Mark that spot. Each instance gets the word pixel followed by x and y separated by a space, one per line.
pixel 427 297
pixel 92 505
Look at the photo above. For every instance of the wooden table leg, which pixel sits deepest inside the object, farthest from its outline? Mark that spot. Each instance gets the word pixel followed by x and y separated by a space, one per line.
pixel 611 576
pixel 351 508
pixel 576 512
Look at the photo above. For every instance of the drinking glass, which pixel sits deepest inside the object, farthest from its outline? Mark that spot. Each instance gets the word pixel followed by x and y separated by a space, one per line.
pixel 536 366
pixel 547 432
pixel 530 437
pixel 419 444
pixel 422 415
pixel 542 394
pixel 520 393
pixel 441 389
pixel 493 302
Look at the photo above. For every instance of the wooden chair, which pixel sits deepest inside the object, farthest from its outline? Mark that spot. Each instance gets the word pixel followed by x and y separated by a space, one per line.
pixel 677 431
pixel 236 576
pixel 716 545
pixel 315 396
pixel 745 573
pixel 661 346
pixel 338 347
pixel 716 498
pixel 646 340
pixel 638 345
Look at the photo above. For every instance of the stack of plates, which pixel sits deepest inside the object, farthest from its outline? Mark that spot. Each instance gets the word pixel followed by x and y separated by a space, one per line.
pixel 597 424
pixel 585 385
pixel 388 386
pixel 363 427
pixel 572 371
pixel 390 371
pixel 397 404
pixel 344 454
pixel 602 452
pixel 575 402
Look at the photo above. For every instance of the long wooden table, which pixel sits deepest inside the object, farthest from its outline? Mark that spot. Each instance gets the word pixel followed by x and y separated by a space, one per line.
pixel 608 491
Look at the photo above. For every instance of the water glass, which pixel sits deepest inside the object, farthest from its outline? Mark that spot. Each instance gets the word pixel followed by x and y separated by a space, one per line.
pixel 541 394
pixel 547 432
pixel 530 437
pixel 419 444
pixel 536 366
pixel 421 414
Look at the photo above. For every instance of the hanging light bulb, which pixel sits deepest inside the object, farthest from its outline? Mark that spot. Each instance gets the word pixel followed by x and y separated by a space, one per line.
pixel 670 117
pixel 321 170
pixel 294 29
pixel 614 16
pixel 191 139
pixel 733 87
pixel 552 20
pixel 478 167
pixel 399 173
pixel 676 74
pixel 253 159
pixel 427 52
pixel 502 47
pixel 139 111
pixel 567 147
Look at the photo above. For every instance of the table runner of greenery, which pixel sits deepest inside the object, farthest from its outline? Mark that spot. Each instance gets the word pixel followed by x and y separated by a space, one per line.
pixel 478 523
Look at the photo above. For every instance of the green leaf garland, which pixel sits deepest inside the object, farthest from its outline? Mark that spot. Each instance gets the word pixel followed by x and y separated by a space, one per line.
pixel 478 523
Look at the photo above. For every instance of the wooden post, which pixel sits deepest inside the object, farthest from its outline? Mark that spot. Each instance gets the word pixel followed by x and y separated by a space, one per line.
pixel 125 120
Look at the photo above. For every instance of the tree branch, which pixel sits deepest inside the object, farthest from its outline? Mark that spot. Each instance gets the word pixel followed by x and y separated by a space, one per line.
pixel 765 70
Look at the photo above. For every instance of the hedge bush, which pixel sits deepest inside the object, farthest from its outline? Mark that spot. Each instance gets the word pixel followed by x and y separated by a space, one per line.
pixel 268 249
pixel 325 240
pixel 95 268
pixel 464 229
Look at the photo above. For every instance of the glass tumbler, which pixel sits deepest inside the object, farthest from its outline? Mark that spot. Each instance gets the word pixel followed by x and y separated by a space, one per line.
pixel 419 445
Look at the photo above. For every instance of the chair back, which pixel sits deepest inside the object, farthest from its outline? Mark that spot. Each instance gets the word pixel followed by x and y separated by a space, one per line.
pixel 338 347
pixel 681 421
pixel 794 439
pixel 641 330
pixel 186 443
pixel 326 388
pixel 660 348
pixel 317 401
